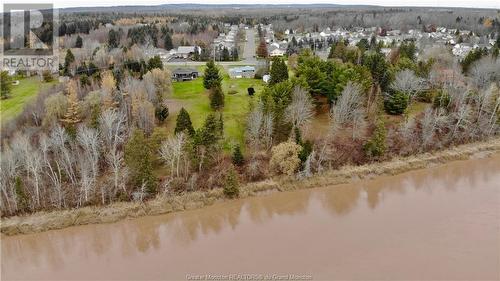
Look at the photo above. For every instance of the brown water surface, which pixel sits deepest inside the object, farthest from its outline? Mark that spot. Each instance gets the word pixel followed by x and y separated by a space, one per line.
pixel 438 223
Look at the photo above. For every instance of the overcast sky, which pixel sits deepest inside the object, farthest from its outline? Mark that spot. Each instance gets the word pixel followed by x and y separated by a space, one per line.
pixel 431 3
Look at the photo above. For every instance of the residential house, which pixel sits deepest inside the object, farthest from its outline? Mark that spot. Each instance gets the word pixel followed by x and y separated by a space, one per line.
pixel 185 51
pixel 185 74
pixel 461 50
pixel 277 53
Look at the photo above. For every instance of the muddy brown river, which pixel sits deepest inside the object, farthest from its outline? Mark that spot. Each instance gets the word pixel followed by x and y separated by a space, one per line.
pixel 438 223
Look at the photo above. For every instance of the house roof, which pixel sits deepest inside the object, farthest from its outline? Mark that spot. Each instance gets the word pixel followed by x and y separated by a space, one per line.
pixel 185 49
pixel 242 69
pixel 184 71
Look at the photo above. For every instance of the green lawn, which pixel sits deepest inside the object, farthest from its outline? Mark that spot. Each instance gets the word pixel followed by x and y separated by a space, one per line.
pixel 194 98
pixel 21 94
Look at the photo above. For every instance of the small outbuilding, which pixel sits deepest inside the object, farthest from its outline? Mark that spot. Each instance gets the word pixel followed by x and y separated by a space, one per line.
pixel 242 72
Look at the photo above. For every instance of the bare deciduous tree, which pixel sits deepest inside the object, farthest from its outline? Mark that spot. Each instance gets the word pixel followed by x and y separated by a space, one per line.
pixel 9 169
pixel 113 133
pixel 53 171
pixel 407 82
pixel 172 150
pixel 30 159
pixel 348 110
pixel 144 115
pixel 428 127
pixel 254 125
pixel 484 71
pixel 64 155
pixel 301 109
pixel 267 130
pixel 88 139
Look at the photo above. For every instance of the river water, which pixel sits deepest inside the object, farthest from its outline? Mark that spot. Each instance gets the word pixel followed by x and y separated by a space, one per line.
pixel 438 223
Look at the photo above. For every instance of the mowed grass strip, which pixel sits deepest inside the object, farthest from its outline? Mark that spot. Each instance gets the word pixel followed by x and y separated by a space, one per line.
pixel 195 99
pixel 26 91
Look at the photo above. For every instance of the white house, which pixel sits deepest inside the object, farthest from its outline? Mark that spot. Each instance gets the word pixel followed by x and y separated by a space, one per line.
pixel 277 53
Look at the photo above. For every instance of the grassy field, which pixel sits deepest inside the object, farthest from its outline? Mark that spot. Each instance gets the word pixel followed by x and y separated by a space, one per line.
pixel 21 94
pixel 194 98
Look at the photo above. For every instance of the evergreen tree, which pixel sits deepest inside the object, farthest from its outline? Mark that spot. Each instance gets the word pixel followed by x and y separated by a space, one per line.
pixel 68 60
pixel 221 126
pixel 139 160
pixel 113 39
pixel 376 146
pixel 234 54
pixel 79 42
pixel 183 123
pixel 5 85
pixel 21 197
pixel 225 54
pixel 212 76
pixel 161 113
pixel 231 185
pixel 155 62
pixel 279 71
pixel 238 159
pixel 168 42
pixel 396 102
pixel 211 133
pixel 306 146
pixel 408 50
pixel 471 57
pixel 379 68
pixel 216 98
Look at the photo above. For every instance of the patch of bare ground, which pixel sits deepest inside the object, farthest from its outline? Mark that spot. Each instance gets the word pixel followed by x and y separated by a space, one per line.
pixel 43 221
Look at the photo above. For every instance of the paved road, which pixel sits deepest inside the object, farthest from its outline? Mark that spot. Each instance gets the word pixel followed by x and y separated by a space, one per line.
pixel 248 54
pixel 249 51
pixel 223 63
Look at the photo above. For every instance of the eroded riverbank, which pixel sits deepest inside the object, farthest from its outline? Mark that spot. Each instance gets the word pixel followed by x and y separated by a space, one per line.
pixel 43 221
pixel 437 223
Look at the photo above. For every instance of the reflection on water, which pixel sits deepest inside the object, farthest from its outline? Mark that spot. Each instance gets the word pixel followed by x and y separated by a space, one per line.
pixel 445 219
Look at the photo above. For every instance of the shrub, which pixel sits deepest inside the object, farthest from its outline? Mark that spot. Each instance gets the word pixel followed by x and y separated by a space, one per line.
pixel 47 76
pixel 55 107
pixel 231 185
pixel 441 99
pixel 285 158
pixel 260 72
pixel 376 146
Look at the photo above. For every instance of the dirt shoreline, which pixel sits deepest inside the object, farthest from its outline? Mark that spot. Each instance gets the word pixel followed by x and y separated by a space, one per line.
pixel 43 221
